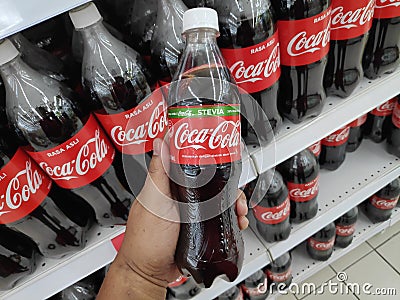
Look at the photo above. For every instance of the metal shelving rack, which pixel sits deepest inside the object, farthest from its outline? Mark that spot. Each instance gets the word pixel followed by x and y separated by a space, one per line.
pixel 342 192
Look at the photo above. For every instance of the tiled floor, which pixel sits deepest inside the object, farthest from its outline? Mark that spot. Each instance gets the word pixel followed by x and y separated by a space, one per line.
pixel 375 262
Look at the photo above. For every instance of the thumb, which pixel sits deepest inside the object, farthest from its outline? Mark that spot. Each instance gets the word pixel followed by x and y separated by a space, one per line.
pixel 159 167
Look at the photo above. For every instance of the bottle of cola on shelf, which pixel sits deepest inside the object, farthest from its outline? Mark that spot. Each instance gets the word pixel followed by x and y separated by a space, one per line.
pixel 345 227
pixel 68 145
pixel 271 207
pixel 304 28
pixel 382 53
pixel 211 117
pixel 380 206
pixel 279 272
pixel 18 257
pixel 301 174
pixel 379 121
pixel 320 245
pixel 351 21
pixel 333 150
pixel 234 293
pixel 120 88
pixel 356 133
pixel 393 138
pixel 182 288
pixel 34 206
pixel 316 149
pixel 250 46
pixel 255 287
pixel 142 25
pixel 167 43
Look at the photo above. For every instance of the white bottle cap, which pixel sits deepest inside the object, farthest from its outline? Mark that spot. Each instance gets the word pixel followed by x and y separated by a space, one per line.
pixel 7 51
pixel 85 15
pixel 201 17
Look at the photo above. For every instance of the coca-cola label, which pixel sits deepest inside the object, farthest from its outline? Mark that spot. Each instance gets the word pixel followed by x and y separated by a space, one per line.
pixel 279 277
pixel 305 41
pixel 303 192
pixel 351 19
pixel 385 9
pixel 396 115
pixel 358 122
pixel 178 282
pixel 321 246
pixel 23 187
pixel 261 289
pixel 337 138
pixel 345 230
pixel 272 215
pixel 134 131
pixel 255 68
pixel 384 204
pixel 80 160
pixel 204 135
pixel 316 148
pixel 385 109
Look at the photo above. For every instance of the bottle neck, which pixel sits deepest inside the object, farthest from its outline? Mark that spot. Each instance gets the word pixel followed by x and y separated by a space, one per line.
pixel 94 34
pixel 201 36
pixel 14 68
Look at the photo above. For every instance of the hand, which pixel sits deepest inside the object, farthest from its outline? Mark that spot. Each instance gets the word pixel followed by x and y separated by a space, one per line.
pixel 150 241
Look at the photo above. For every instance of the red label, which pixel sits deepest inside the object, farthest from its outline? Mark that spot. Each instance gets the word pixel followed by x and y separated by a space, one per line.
pixel 204 135
pixel 80 160
pixel 321 246
pixel 23 187
pixel 384 204
pixel 261 289
pixel 117 241
pixel 396 115
pixel 303 192
pixel 358 122
pixel 272 215
pixel 342 230
pixel 385 109
pixel 305 41
pixel 178 282
pixel 316 148
pixel 255 68
pixel 385 9
pixel 134 131
pixel 279 277
pixel 337 138
pixel 351 18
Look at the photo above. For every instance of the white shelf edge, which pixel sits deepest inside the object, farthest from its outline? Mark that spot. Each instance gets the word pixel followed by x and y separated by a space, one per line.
pixel 335 114
pixel 341 190
pixel 22 14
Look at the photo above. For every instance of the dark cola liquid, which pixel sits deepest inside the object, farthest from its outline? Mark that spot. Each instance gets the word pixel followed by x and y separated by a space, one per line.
pixel 325 235
pixel 18 257
pixel 355 138
pixel 302 168
pixel 279 272
pixel 376 128
pixel 106 195
pixel 390 191
pixel 242 33
pixel 344 70
pixel 212 247
pixel 123 95
pixel 348 219
pixel 332 157
pixel 382 51
pixel 301 93
pixel 255 287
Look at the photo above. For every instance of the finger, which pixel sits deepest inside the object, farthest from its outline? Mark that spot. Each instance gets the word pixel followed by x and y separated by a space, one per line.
pixel 243 222
pixel 241 205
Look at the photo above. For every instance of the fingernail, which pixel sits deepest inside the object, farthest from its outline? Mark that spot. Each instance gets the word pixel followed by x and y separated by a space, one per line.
pixel 157 147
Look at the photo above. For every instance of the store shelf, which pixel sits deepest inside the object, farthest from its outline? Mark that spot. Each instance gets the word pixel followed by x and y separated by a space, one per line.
pixel 303 266
pixel 362 174
pixel 335 114
pixel 55 275
pixel 255 258
pixel 18 15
